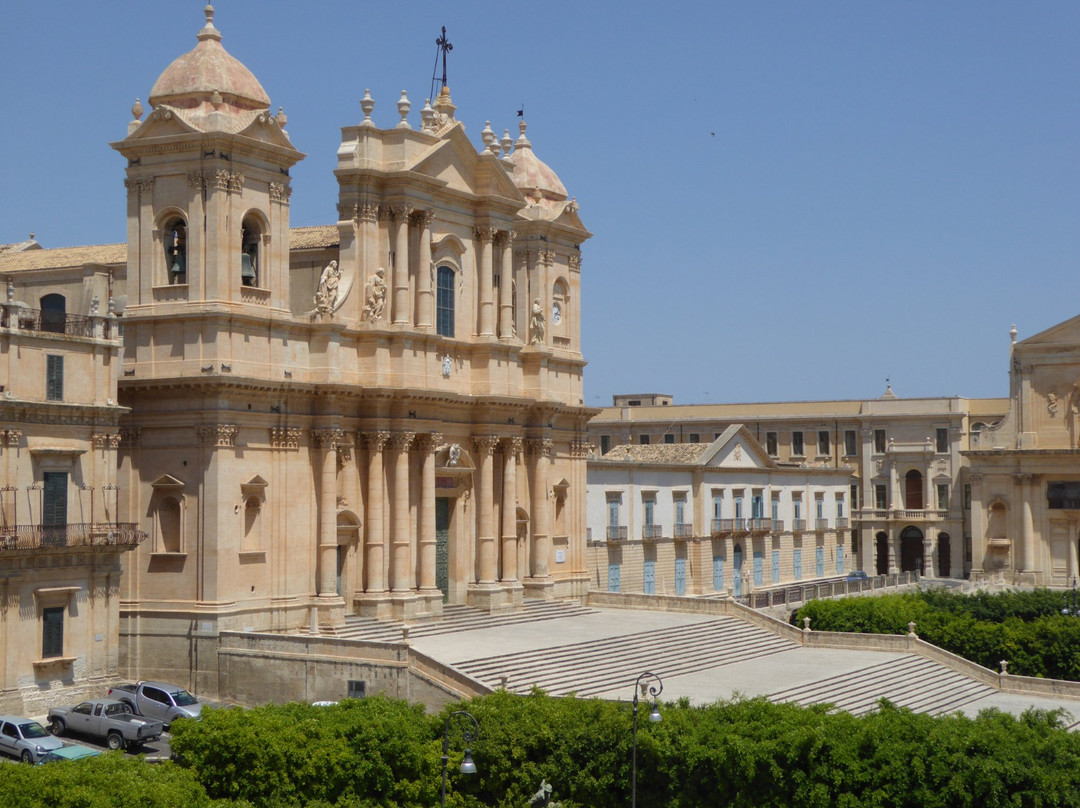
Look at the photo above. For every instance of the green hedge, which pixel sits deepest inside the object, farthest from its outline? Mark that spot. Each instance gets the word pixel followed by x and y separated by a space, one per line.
pixel 747 754
pixel 1024 628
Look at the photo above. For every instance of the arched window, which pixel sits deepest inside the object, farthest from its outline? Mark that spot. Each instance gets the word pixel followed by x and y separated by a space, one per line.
pixel 250 251
pixel 559 308
pixel 913 490
pixel 168 522
pixel 53 313
pixel 444 302
pixel 174 241
pixel 252 523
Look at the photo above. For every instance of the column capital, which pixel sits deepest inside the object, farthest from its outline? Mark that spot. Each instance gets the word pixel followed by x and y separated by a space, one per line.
pixel 580 448
pixel 217 434
pixel 505 238
pixel 975 478
pixel 1025 477
pixel 512 446
pixel 547 257
pixel 428 441
pixel 328 437
pixel 574 261
pixel 375 441
pixel 401 441
pixel 539 446
pixel 424 216
pixel 367 212
pixel 484 234
pixel 402 211
pixel 11 437
pixel 485 444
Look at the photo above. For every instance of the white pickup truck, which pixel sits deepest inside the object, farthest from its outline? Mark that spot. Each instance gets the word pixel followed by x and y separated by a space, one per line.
pixel 158 700
pixel 105 718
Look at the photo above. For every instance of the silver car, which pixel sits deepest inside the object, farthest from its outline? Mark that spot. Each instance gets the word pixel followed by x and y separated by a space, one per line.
pixel 26 739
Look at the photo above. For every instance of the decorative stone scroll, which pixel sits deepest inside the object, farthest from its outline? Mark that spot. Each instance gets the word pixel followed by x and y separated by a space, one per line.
pixel 285 437
pixel 280 192
pixel 11 437
pixel 217 434
pixel 104 440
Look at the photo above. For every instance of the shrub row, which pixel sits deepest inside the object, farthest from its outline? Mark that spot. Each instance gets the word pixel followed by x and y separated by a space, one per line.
pixel 1024 628
pixel 376 752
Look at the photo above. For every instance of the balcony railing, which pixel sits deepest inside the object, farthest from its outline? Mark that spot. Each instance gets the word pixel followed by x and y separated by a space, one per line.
pixel 841 523
pixel 758 525
pixel 652 532
pixel 798 525
pixel 904 514
pixel 777 525
pixel 740 525
pixel 47 322
pixel 616 533
pixel 821 524
pixel 721 527
pixel 684 530
pixel 60 537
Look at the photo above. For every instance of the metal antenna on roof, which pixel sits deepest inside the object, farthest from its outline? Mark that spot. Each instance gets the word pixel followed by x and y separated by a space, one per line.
pixel 442 47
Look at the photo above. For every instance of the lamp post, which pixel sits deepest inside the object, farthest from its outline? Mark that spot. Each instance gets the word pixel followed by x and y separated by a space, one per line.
pixel 469 734
pixel 1072 601
pixel 650 685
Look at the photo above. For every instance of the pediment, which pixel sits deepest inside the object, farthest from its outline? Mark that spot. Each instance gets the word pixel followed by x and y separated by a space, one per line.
pixel 160 126
pixel 166 482
pixel 737 448
pixel 455 162
pixel 1063 334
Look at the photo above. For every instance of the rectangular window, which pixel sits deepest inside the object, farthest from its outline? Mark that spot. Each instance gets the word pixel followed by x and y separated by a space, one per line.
pixel 796 506
pixel 797 448
pixel 839 506
pixel 669 438
pixel 54 378
pixel 444 302
pixel 695 437
pixel 680 511
pixel 757 506
pixel 650 510
pixel 819 505
pixel 643 440
pixel 880 500
pixel 52 632
pixel 851 444
pixel 605 444
pixel 943 440
pixel 943 496
pixel 738 507
pixel 613 513
pixel 775 507
pixel 823 442
pixel 879 441
pixel 967 497
pixel 855 497
pixel 718 505
pixel 770 443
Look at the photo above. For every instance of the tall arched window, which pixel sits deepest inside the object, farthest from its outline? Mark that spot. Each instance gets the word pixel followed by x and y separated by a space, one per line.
pixel 53 313
pixel 252 524
pixel 175 244
pixel 250 253
pixel 560 304
pixel 444 302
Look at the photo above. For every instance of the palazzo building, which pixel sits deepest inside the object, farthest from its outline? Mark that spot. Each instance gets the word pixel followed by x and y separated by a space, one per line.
pixel 908 496
pixel 374 417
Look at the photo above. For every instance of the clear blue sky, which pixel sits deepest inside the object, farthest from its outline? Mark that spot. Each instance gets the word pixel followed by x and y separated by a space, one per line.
pixel 790 200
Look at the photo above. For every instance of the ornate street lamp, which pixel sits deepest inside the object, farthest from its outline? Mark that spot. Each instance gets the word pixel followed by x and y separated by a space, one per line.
pixel 1072 601
pixel 469 734
pixel 652 686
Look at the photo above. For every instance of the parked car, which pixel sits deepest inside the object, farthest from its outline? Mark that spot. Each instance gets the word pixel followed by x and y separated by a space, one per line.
pixel 70 752
pixel 110 719
pixel 26 739
pixel 857 575
pixel 158 700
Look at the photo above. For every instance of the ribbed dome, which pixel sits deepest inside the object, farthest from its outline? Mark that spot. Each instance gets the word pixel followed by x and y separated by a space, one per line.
pixel 532 176
pixel 193 79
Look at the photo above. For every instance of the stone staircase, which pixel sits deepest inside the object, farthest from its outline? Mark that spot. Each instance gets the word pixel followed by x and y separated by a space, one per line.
pixel 454 619
pixel 599 666
pixel 912 681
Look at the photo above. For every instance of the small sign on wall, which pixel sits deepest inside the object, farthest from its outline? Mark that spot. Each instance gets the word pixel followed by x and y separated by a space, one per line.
pixel 560 556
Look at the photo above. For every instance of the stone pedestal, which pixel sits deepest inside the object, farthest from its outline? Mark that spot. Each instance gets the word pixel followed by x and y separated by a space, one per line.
pixel 330 610
pixel 495 597
pixel 375 605
pixel 540 588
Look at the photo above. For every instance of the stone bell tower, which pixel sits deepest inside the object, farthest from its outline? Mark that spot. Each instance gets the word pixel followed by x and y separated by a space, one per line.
pixel 208 189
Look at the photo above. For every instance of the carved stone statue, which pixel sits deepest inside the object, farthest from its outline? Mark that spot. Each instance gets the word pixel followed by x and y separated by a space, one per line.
pixel 326 297
pixel 537 324
pixel 543 796
pixel 375 299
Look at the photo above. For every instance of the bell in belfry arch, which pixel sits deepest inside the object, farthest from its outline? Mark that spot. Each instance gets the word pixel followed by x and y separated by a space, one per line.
pixel 247 269
pixel 177 267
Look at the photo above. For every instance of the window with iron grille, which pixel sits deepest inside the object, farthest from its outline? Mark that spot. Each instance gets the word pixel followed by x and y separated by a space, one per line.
pixel 54 378
pixel 52 632
pixel 444 302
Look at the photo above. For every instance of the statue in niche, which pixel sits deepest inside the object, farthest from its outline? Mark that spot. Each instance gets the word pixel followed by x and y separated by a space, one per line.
pixel 454 455
pixel 326 297
pixel 1052 403
pixel 537 324
pixel 1072 416
pixel 375 299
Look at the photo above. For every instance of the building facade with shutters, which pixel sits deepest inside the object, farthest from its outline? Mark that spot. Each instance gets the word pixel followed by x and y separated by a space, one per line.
pixel 373 417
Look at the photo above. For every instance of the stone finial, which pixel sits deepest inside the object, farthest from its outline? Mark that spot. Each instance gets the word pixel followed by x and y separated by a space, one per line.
pixel 806 624
pixel 11 286
pixel 488 135
pixel 282 118
pixel 137 109
pixel 403 107
pixel 216 100
pixel 1012 334
pixel 507 143
pixel 522 141
pixel 427 117
pixel 911 630
pixel 367 104
pixel 209 31
pixel 1004 667
pixel 95 303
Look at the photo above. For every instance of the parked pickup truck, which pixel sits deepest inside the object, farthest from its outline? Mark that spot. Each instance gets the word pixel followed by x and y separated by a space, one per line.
pixel 105 718
pixel 157 700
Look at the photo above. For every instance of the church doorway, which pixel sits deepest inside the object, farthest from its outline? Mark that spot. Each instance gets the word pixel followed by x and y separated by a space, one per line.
pixel 911 550
pixel 881 542
pixel 944 555
pixel 442 545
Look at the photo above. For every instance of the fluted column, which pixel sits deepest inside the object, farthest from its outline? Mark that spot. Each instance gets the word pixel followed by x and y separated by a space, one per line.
pixel 484 236
pixel 485 447
pixel 367 214
pixel 426 527
pixel 541 544
pixel 511 448
pixel 424 270
pixel 401 527
pixel 506 285
pixel 327 440
pixel 400 283
pixel 376 562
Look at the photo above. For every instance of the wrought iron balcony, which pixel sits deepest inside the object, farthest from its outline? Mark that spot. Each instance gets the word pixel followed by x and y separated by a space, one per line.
pixel 740 525
pixel 616 533
pixel 798 525
pixel 62 537
pixel 777 525
pixel 821 524
pixel 842 523
pixel 72 325
pixel 652 532
pixel 721 527
pixel 684 530
pixel 758 525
